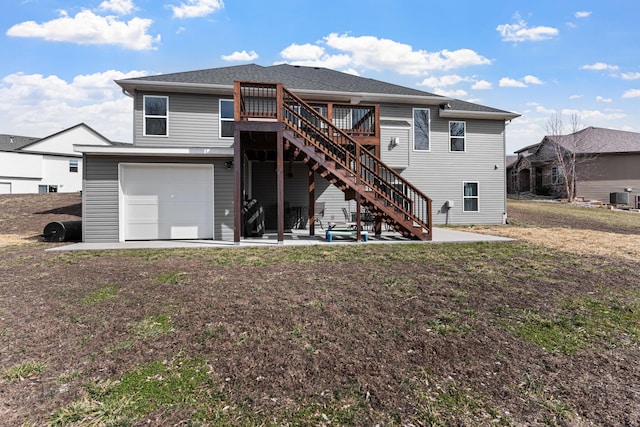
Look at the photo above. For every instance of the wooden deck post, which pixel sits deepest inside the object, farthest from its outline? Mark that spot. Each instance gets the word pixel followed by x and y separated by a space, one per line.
pixel 237 186
pixel 357 161
pixel 280 185
pixel 312 202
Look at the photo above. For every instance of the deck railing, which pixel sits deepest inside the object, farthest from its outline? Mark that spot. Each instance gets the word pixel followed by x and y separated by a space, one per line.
pixel 271 101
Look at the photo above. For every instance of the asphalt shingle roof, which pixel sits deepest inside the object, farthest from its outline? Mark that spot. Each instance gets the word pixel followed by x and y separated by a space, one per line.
pixel 292 76
pixel 594 140
pixel 15 142
pixel 296 77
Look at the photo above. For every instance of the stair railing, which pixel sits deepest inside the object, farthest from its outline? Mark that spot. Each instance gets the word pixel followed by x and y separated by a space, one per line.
pixel 271 101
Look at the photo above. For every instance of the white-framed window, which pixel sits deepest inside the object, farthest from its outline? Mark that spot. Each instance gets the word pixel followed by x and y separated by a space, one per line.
pixel 470 196
pixel 556 175
pixel 156 115
pixel 457 136
pixel 227 126
pixel 73 166
pixel 421 129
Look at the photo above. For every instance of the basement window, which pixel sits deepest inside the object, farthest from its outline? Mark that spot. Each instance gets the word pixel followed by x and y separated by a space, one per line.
pixel 73 166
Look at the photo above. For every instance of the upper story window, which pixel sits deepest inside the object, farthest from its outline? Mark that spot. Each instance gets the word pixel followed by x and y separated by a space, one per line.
pixel 156 115
pixel 470 197
pixel 226 118
pixel 73 165
pixel 421 129
pixel 457 136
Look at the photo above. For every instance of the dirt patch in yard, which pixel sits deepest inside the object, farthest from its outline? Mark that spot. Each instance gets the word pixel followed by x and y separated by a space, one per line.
pixel 388 335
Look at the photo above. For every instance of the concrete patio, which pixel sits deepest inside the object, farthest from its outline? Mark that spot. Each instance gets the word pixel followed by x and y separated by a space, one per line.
pixel 293 238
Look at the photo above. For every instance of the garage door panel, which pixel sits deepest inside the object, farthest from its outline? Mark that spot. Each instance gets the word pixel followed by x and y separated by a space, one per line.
pixel 168 202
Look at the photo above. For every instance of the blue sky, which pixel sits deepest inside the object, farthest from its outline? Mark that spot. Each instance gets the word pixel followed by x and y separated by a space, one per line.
pixel 58 58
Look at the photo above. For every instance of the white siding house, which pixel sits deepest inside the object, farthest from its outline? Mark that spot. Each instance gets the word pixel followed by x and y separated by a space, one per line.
pixel 50 164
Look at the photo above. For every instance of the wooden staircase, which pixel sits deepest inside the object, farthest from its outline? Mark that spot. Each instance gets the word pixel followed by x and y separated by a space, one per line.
pixel 338 158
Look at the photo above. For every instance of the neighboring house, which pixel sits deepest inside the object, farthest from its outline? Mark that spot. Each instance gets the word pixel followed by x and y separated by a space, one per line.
pixel 607 161
pixel 205 141
pixel 45 165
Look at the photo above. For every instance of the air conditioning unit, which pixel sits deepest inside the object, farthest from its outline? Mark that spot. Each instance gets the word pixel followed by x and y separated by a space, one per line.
pixel 619 198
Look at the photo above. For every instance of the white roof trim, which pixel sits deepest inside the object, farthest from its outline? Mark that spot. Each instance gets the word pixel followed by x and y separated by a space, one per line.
pixel 487 115
pixel 154 151
pixel 130 85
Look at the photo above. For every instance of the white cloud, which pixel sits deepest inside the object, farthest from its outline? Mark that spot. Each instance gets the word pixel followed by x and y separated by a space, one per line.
pixel 310 55
pixel 546 111
pixel 120 7
pixel 345 52
pixel 88 28
pixel 482 85
pixel 508 82
pixel 351 71
pixel 595 117
pixel 302 52
pixel 630 76
pixel 37 105
pixel 196 8
pixel 600 66
pixel 632 93
pixel 520 32
pixel 602 99
pixel 442 81
pixel 451 93
pixel 533 80
pixel 582 14
pixel 523 82
pixel 575 97
pixel 384 54
pixel 241 56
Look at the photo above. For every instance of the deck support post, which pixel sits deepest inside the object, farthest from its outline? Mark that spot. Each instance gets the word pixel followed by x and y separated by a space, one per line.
pixel 280 184
pixel 312 202
pixel 237 186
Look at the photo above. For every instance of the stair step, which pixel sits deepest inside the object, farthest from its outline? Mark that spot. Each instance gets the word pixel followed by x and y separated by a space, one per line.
pixel 302 147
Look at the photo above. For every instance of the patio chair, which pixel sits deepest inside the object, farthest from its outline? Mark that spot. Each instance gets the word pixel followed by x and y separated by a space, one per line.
pixel 318 212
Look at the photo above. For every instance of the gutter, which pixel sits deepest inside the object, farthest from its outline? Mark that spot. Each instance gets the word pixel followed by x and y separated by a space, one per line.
pixel 487 115
pixel 154 151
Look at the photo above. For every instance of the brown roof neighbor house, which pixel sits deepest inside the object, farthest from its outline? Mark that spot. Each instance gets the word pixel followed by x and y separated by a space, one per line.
pixel 608 162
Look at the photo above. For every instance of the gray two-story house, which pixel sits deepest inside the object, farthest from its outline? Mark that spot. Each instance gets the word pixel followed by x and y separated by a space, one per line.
pixel 309 144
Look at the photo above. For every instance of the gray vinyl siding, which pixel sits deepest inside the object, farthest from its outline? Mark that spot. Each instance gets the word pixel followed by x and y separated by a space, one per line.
pixel 101 196
pixel 440 174
pixel 193 122
pixel 296 195
pixel 100 214
pixel 396 156
pixel 608 173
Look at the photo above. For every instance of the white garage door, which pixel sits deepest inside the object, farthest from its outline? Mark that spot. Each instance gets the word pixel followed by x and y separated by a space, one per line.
pixel 5 188
pixel 167 201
